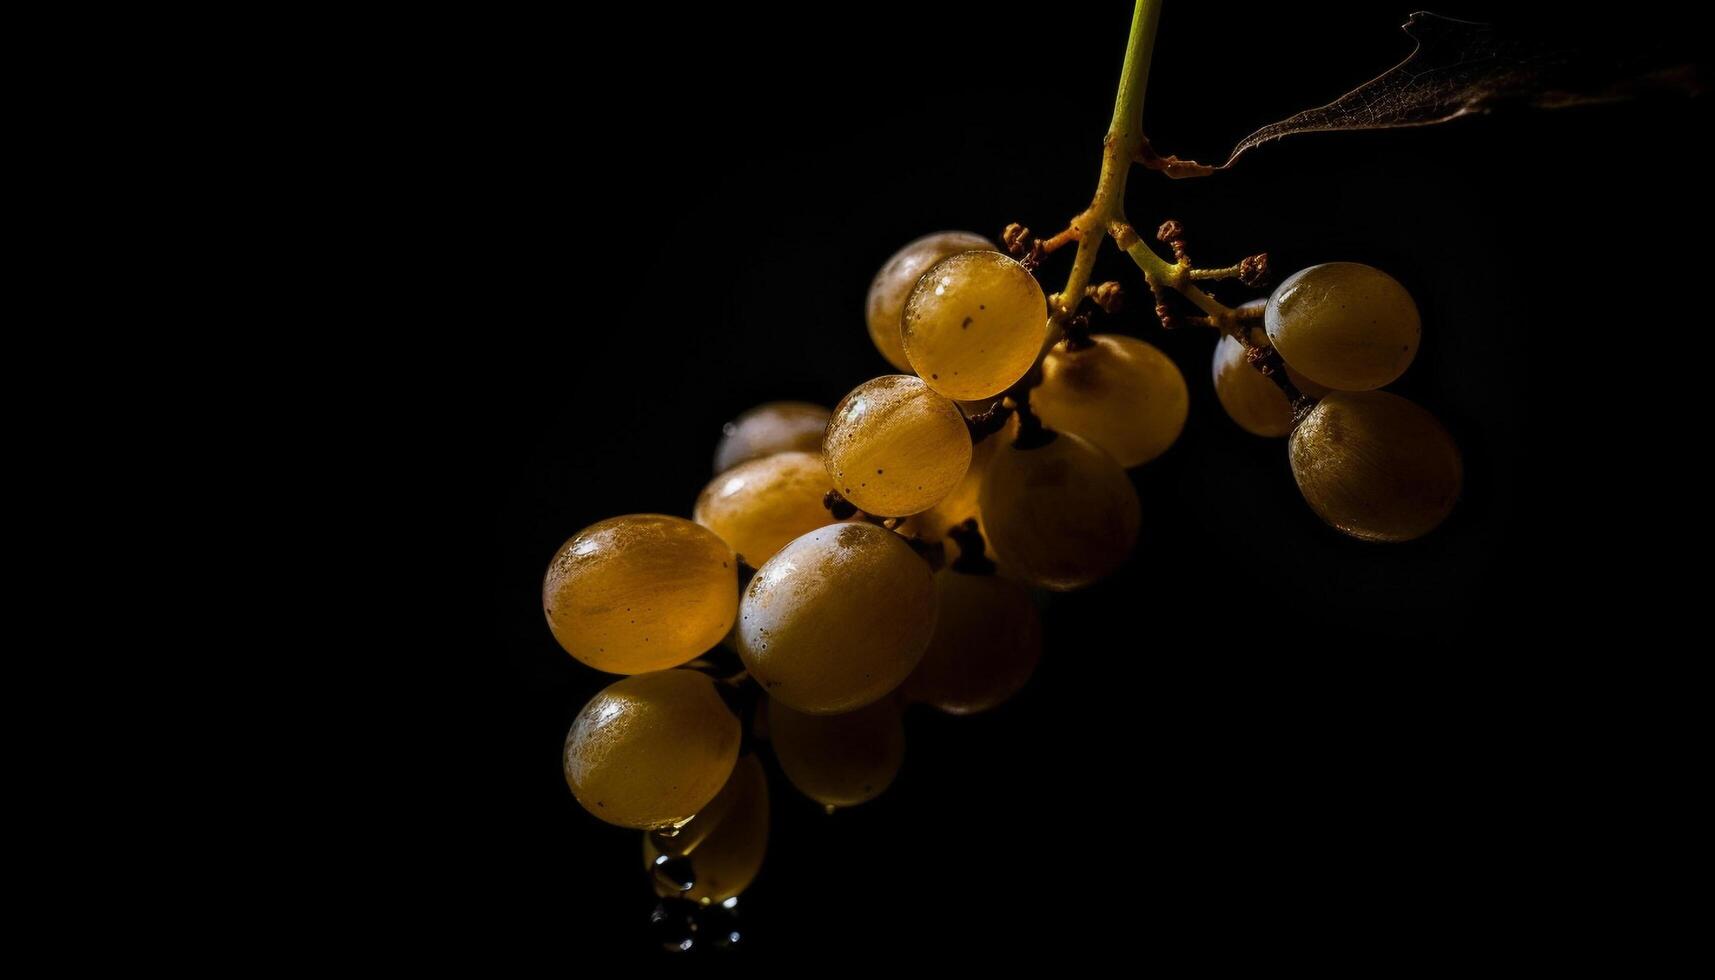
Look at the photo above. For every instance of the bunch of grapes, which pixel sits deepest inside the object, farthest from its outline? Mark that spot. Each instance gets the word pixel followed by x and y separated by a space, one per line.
pixel 819 553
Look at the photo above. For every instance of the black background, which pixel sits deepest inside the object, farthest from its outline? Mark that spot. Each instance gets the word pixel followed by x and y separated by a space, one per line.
pixel 1260 734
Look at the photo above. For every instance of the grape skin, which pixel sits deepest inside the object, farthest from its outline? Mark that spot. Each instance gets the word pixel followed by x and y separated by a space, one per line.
pixel 894 281
pixel 774 427
pixel 1059 516
pixel 988 639
pixel 760 505
pixel 1253 402
pixel 1376 466
pixel 1120 393
pixel 1344 325
pixel 640 592
pixel 842 760
pixel 974 324
pixel 651 750
pixel 896 448
pixel 726 854
pixel 837 619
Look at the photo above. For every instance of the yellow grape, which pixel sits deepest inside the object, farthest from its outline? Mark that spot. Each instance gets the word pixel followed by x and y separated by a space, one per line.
pixel 776 427
pixel 988 638
pixel 641 592
pixel 839 760
pixel 1120 393
pixel 1059 516
pixel 1346 325
pixel 725 843
pixel 758 506
pixel 651 750
pixel 895 448
pixel 1255 403
pixel 1376 466
pixel 974 324
pixel 837 618
pixel 887 292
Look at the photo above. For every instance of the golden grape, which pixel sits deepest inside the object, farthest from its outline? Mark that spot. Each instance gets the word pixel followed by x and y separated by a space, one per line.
pixel 725 843
pixel 758 506
pixel 974 324
pixel 839 760
pixel 837 618
pixel 641 592
pixel 988 638
pixel 776 427
pixel 1376 466
pixel 1059 516
pixel 887 292
pixel 1345 325
pixel 651 750
pixel 896 448
pixel 1254 402
pixel 1120 393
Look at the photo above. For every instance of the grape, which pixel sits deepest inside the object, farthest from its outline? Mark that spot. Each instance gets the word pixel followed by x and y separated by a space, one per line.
pixel 776 427
pixel 1251 400
pixel 988 638
pixel 837 618
pixel 891 286
pixel 895 448
pixel 1376 466
pixel 651 750
pixel 760 505
pixel 725 853
pixel 934 523
pixel 841 760
pixel 1122 394
pixel 1059 516
pixel 641 592
pixel 974 324
pixel 1344 325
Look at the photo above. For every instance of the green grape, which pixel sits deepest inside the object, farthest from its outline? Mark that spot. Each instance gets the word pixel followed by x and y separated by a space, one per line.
pixel 777 427
pixel 887 292
pixel 725 843
pixel 641 592
pixel 1376 466
pixel 974 324
pixel 1344 325
pixel 1059 516
pixel 839 760
pixel 895 448
pixel 760 505
pixel 1251 400
pixel 651 750
pixel 1120 393
pixel 988 638
pixel 837 618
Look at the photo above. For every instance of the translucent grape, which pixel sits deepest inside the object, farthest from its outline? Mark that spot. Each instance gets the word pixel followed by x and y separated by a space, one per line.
pixel 839 760
pixel 760 505
pixel 725 844
pixel 1059 516
pixel 1120 393
pixel 1376 466
pixel 651 750
pixel 837 618
pixel 895 448
pixel 1344 325
pixel 974 324
pixel 988 638
pixel 887 292
pixel 641 592
pixel 1251 400
pixel 777 427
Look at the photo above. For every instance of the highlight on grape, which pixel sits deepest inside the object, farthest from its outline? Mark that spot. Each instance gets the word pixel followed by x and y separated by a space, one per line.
pixel 842 564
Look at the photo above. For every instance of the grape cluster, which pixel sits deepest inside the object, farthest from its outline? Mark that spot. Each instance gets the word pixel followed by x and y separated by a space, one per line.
pixel 892 545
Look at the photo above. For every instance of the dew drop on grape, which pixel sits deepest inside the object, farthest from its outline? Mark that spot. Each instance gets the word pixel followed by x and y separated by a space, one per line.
pixel 896 448
pixel 1344 325
pixel 1120 393
pixel 893 283
pixel 641 592
pixel 722 857
pixel 974 324
pixel 1376 466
